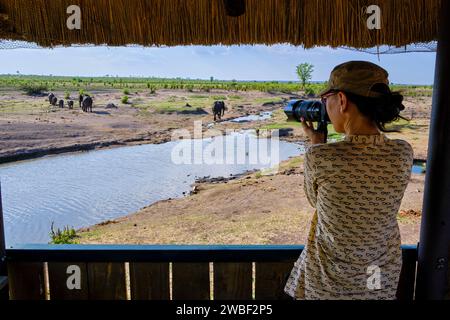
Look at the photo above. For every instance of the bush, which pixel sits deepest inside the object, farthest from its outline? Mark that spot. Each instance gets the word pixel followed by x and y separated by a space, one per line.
pixel 67 95
pixel 309 91
pixel 126 91
pixel 65 236
pixel 34 89
pixel 124 99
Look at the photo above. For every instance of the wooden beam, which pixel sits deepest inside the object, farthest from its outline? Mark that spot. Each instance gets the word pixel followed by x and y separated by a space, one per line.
pixel 68 281
pixel 190 281
pixel 233 281
pixel 435 228
pixel 149 281
pixel 26 281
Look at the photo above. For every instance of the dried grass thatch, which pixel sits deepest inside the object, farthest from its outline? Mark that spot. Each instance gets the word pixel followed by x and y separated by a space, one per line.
pixel 205 22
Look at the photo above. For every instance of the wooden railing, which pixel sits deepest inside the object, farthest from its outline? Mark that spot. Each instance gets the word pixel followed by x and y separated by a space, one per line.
pixel 160 272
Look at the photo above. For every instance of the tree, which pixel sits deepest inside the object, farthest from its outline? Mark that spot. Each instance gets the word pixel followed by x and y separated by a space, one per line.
pixel 304 72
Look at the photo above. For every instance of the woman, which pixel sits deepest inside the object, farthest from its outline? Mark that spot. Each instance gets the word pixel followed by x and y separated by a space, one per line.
pixel 356 186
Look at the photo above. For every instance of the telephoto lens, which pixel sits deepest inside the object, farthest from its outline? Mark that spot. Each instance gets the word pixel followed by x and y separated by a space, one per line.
pixel 310 110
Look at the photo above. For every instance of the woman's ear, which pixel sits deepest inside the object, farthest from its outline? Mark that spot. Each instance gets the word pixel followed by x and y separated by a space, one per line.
pixel 343 102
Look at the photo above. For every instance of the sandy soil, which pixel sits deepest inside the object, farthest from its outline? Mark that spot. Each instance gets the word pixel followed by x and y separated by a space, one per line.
pixel 253 209
pixel 249 210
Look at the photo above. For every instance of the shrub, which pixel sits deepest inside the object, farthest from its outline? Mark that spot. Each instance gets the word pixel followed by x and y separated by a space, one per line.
pixel 124 99
pixel 309 91
pixel 126 91
pixel 67 95
pixel 34 89
pixel 65 236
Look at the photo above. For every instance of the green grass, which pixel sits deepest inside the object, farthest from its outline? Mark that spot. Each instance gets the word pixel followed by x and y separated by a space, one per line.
pixel 175 104
pixel 266 100
pixel 404 124
pixel 281 125
pixel 24 107
pixel 292 163
pixel 197 96
pixel 219 97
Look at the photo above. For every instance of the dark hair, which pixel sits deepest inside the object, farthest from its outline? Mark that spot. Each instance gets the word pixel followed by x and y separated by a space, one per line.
pixel 381 110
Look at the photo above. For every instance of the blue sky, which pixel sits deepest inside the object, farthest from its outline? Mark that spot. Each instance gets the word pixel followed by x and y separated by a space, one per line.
pixel 257 62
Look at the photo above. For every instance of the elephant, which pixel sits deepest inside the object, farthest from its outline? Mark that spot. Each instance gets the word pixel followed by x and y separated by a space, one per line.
pixel 54 101
pixel 80 99
pixel 70 104
pixel 50 98
pixel 61 103
pixel 87 104
pixel 218 109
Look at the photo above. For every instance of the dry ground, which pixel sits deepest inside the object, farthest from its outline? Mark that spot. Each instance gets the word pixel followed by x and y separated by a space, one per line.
pixel 255 209
pixel 250 210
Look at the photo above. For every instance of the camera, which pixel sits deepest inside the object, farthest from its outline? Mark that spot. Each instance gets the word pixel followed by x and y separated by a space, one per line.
pixel 310 110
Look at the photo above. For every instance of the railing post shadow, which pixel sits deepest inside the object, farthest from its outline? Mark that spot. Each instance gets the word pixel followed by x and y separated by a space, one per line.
pixel 3 273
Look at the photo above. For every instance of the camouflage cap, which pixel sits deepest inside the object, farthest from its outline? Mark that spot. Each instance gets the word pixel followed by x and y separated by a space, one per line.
pixel 357 77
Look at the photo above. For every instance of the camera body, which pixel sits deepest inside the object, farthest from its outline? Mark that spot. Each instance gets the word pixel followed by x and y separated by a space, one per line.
pixel 310 110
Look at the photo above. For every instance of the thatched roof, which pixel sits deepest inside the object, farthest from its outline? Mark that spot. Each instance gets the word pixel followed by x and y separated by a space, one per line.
pixel 205 22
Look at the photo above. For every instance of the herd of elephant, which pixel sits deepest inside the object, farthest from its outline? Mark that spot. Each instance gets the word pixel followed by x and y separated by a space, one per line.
pixel 85 102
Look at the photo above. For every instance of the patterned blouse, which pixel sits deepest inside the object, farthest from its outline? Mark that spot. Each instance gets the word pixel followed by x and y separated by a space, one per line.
pixel 353 248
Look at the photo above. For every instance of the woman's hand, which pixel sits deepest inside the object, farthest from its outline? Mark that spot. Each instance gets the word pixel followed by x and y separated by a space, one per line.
pixel 315 136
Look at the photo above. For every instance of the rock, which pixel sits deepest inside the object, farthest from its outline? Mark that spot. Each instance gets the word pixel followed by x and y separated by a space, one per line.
pixel 197 111
pixel 288 172
pixel 284 132
pixel 194 190
pixel 111 106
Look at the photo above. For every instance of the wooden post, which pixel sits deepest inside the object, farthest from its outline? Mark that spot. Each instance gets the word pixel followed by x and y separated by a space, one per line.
pixel 435 228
